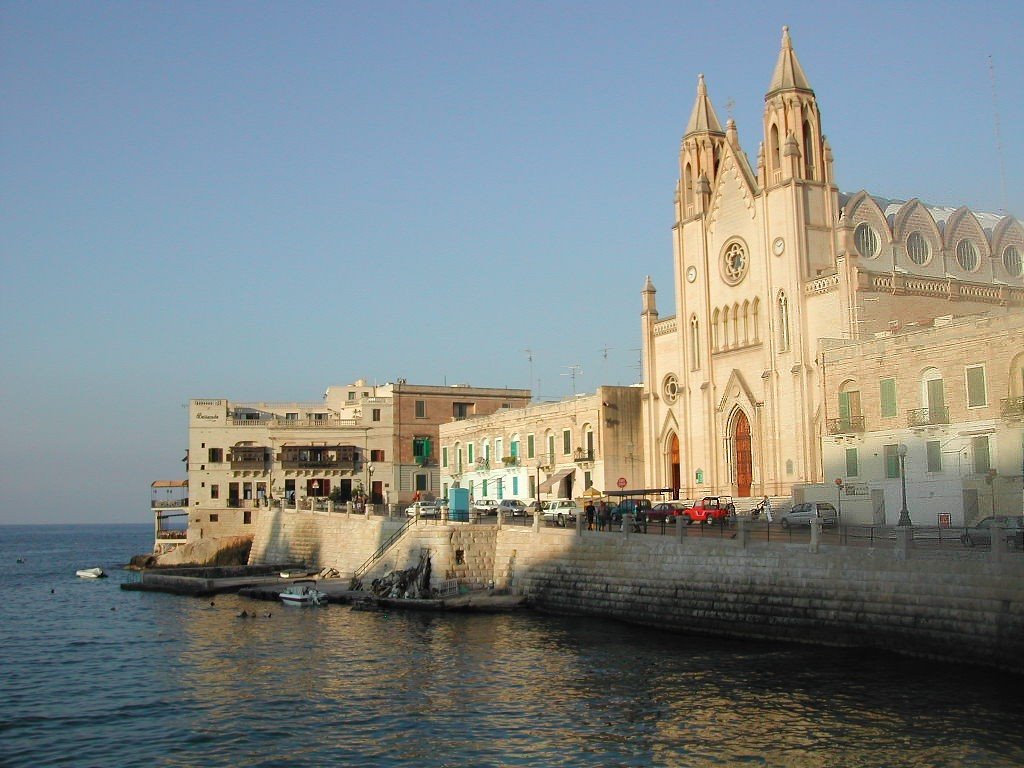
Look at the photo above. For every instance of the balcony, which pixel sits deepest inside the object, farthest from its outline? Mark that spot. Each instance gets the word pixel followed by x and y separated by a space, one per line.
pixel 298 463
pixel 248 462
pixel 510 461
pixel 583 455
pixel 424 461
pixel 846 425
pixel 926 417
pixel 1012 408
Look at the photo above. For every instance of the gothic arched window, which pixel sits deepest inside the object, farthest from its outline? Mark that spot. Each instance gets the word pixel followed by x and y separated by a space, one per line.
pixel 783 306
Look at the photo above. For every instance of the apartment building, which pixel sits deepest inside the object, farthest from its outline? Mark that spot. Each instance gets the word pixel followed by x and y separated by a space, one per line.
pixel 361 442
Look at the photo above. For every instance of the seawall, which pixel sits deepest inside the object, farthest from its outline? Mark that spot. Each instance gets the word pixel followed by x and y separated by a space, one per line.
pixel 950 604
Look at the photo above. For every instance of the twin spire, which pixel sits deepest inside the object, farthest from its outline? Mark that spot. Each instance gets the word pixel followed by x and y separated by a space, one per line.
pixel 788 75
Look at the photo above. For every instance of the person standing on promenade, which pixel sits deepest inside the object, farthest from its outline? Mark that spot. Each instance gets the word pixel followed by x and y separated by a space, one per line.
pixel 766 507
pixel 590 511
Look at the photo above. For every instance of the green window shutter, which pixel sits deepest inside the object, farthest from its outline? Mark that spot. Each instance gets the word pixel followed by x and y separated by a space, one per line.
pixel 444 457
pixel 887 391
pixel 892 461
pixel 982 461
pixel 530 451
pixel 851 462
pixel 469 453
pixel 976 386
pixel 844 406
pixel 483 487
pixel 934 456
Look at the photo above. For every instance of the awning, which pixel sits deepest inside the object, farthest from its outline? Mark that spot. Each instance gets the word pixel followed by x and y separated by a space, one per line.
pixel 558 477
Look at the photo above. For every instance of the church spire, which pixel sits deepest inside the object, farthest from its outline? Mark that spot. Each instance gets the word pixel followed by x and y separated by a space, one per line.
pixel 703 118
pixel 788 75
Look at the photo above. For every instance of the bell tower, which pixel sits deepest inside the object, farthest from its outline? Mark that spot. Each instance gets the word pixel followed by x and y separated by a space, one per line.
pixel 699 156
pixel 792 123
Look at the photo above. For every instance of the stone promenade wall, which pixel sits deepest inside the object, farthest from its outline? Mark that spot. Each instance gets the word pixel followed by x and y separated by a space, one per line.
pixel 953 604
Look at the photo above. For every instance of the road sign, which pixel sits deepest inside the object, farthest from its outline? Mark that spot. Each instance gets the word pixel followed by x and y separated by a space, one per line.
pixel 621 482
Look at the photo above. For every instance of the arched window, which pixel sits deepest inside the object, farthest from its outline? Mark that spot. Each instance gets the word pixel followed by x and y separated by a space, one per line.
pixel 688 189
pixel 783 306
pixel 808 150
pixel 754 310
pixel 774 157
pixel 1012 260
pixel 735 325
pixel 725 327
pixel 714 330
pixel 746 322
pixel 694 342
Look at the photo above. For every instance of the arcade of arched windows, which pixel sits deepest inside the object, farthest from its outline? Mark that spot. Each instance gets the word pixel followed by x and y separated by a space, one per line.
pixel 734 326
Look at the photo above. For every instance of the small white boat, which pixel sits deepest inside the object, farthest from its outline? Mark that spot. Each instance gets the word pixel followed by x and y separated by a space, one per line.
pixel 303 592
pixel 90 573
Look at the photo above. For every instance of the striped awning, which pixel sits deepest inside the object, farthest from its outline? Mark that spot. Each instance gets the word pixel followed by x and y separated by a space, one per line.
pixel 557 477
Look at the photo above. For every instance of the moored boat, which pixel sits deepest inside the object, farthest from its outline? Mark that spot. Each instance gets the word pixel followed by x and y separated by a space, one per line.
pixel 90 573
pixel 303 592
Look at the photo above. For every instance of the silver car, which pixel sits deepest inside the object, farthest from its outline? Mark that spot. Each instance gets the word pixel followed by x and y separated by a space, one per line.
pixel 802 514
pixel 981 531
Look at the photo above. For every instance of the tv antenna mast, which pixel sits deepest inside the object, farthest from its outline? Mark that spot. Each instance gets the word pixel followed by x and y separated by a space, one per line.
pixel 529 357
pixel 999 135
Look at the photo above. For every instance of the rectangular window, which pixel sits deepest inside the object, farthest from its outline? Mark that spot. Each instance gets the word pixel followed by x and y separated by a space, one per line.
pixel 469 452
pixel 515 485
pixel 982 460
pixel 216 455
pixel 566 442
pixel 530 447
pixel 892 460
pixel 887 392
pixel 588 480
pixel 421 482
pixel 976 394
pixel 462 410
pixel 351 395
pixel 376 414
pixel 291 416
pixel 851 462
pixel 214 491
pixel 421 447
pixel 483 488
pixel 934 455
pixel 377 454
pixel 214 517
pixel 444 456
pixel 247 517
pixel 421 409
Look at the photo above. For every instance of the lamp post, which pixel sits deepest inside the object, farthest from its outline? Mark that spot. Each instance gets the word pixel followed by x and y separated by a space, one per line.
pixel 369 483
pixel 904 514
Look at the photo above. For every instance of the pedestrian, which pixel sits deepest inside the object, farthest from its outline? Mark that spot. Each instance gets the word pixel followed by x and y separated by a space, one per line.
pixel 766 505
pixel 602 516
pixel 589 509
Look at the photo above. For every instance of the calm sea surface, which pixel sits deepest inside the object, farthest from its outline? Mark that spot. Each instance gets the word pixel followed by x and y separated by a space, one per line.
pixel 95 676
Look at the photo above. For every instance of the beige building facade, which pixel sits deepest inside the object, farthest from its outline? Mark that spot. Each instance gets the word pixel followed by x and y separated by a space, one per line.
pixel 547 450
pixel 769 259
pixel 362 443
pixel 953 396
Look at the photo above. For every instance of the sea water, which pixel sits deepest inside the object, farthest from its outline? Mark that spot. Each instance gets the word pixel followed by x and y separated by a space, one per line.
pixel 96 676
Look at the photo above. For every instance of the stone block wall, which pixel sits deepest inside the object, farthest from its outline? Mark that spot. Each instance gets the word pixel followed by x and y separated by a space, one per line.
pixel 950 604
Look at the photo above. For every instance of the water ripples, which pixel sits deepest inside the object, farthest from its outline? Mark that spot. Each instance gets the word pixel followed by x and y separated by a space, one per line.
pixel 172 682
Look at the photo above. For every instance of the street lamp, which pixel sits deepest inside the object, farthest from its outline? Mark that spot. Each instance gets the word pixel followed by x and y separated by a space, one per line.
pixel 904 514
pixel 369 482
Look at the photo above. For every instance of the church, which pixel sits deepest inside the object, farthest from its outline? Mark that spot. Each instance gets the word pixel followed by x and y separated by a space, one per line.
pixel 772 267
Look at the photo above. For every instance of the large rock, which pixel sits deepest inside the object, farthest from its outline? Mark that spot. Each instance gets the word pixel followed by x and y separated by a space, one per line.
pixel 228 550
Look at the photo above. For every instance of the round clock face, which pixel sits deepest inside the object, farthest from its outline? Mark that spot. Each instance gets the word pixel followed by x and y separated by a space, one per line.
pixel 691 274
pixel 779 246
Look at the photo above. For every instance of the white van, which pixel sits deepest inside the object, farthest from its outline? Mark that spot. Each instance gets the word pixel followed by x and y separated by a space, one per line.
pixel 560 511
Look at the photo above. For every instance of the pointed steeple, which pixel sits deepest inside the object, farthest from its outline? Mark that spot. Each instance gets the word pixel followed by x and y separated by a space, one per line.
pixel 703 118
pixel 789 75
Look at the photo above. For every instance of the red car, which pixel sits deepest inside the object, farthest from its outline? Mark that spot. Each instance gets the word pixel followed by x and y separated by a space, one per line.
pixel 710 509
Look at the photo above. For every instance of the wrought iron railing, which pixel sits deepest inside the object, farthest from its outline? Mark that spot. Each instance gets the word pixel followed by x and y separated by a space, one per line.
pixel 845 425
pixel 923 417
pixel 1012 407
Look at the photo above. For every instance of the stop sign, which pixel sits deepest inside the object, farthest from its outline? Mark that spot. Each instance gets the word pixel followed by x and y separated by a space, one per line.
pixel 621 482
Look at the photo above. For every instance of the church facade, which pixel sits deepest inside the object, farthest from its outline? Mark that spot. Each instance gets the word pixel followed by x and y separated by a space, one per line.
pixel 771 262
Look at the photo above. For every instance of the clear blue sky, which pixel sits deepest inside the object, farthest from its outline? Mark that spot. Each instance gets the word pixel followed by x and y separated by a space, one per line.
pixel 257 200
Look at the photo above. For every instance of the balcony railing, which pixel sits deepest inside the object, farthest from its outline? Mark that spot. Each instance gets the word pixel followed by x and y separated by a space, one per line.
pixel 171 535
pixel 1012 407
pixel 510 461
pixel 582 455
pixel 424 461
pixel 924 417
pixel 248 463
pixel 320 464
pixel 846 425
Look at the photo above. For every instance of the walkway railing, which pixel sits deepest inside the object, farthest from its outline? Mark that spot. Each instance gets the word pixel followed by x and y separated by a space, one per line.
pixel 383 548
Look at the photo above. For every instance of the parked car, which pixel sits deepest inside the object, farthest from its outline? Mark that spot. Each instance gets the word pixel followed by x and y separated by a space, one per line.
pixel 666 511
pixel 485 506
pixel 513 507
pixel 981 531
pixel 802 514
pixel 560 511
pixel 637 508
pixel 426 509
pixel 710 509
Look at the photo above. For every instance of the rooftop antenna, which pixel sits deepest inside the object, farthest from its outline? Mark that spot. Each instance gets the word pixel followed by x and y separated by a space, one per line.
pixel 999 137
pixel 529 357
pixel 574 371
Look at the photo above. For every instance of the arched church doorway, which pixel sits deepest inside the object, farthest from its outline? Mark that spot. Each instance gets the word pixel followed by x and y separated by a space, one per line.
pixel 673 465
pixel 744 461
